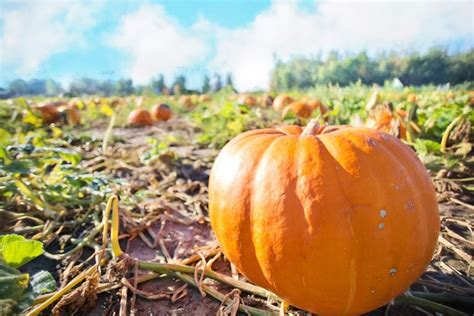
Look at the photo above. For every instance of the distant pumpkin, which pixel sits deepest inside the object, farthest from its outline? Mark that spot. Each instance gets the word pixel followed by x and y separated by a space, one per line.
pixel 186 101
pixel 140 117
pixel 281 102
pixel 300 109
pixel 48 112
pixel 161 112
pixel 383 119
pixel 203 98
pixel 317 104
pixel 70 114
pixel 247 100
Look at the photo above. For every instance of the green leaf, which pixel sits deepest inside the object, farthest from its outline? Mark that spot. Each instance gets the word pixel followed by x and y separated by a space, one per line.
pixel 13 285
pixel 15 250
pixel 68 155
pixel 18 291
pixel 5 137
pixel 43 282
pixel 18 167
pixel 4 155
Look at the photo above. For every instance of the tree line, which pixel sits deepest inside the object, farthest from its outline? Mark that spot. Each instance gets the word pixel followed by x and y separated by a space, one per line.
pixel 122 87
pixel 435 66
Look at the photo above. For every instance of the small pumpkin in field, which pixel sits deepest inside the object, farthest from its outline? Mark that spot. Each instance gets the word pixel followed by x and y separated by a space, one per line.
pixel 388 120
pixel 203 98
pixel 335 220
pixel 48 112
pixel 300 109
pixel 70 114
pixel 411 97
pixel 317 104
pixel 247 100
pixel 161 112
pixel 140 117
pixel 281 102
pixel 186 101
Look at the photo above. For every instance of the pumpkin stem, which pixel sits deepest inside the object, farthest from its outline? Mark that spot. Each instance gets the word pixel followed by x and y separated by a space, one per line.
pixel 312 128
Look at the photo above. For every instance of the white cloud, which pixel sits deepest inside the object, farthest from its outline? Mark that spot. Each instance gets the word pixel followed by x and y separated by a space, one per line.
pixel 286 30
pixel 154 42
pixel 35 30
pixel 157 43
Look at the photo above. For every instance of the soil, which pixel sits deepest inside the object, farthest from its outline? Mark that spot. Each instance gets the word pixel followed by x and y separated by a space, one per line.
pixel 177 222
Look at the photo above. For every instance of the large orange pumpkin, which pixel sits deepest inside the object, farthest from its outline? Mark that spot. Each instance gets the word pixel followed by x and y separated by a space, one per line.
pixel 300 109
pixel 281 102
pixel 161 112
pixel 335 220
pixel 140 117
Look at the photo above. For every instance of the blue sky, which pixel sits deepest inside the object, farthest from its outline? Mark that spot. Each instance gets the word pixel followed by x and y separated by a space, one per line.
pixel 106 39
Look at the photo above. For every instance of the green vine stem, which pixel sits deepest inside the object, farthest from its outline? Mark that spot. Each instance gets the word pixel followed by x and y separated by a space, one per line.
pixel 80 245
pixel 444 139
pixel 445 298
pixel 425 303
pixel 167 268
pixel 220 297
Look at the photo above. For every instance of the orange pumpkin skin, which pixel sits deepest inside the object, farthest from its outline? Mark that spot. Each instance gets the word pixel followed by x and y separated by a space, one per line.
pixel 70 114
pixel 316 104
pixel 140 117
pixel 203 98
pixel 161 112
pixel 186 101
pixel 48 112
pixel 386 119
pixel 281 102
pixel 300 109
pixel 247 100
pixel 337 223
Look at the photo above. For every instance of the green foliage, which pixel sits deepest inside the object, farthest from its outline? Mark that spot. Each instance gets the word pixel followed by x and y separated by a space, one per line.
pixel 160 150
pixel 18 290
pixel 15 250
pixel 221 121
pixel 43 173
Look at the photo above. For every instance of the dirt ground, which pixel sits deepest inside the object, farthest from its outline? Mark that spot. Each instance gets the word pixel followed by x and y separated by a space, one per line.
pixel 172 224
